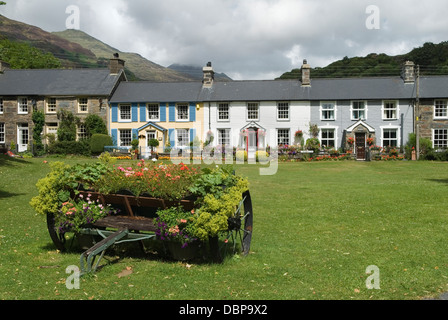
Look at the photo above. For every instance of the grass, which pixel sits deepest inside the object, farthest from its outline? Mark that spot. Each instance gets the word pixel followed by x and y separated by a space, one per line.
pixel 317 227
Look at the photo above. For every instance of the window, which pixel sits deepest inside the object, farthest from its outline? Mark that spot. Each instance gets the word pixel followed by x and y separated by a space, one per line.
pixel 182 112
pixel 153 111
pixel 283 111
pixel 328 137
pixel 23 105
pixel 440 109
pixel 440 138
pixel 224 137
pixel 358 110
pixel 52 129
pixel 51 105
pixel 182 138
pixel 252 111
pixel 82 132
pixel 125 112
pixel 283 136
pixel 82 105
pixel 390 110
pixel 1 105
pixel 223 111
pixel 327 111
pixel 390 138
pixel 125 137
pixel 2 132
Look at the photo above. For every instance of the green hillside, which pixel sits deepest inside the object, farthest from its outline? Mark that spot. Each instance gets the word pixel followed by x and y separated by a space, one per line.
pixel 142 68
pixel 431 58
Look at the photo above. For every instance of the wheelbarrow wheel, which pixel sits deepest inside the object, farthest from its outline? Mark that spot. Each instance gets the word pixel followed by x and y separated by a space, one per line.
pixel 238 237
pixel 57 237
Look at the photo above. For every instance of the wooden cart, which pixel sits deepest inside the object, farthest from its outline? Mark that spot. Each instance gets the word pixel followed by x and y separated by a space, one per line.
pixel 136 222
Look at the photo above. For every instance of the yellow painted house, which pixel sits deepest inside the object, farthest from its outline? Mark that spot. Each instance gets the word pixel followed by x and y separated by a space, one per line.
pixel 168 112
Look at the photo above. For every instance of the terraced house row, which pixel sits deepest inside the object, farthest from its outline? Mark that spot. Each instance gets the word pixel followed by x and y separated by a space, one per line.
pixel 245 114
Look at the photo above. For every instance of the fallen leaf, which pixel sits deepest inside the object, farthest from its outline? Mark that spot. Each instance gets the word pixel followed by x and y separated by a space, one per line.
pixel 125 272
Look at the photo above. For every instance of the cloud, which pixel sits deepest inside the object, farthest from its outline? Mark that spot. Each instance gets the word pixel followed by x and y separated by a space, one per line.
pixel 250 39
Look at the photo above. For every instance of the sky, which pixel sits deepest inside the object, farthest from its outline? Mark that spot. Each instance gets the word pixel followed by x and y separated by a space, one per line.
pixel 246 39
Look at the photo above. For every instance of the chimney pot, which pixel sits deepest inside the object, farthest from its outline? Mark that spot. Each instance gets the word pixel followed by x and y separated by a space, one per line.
pixel 209 75
pixel 116 64
pixel 407 72
pixel 306 74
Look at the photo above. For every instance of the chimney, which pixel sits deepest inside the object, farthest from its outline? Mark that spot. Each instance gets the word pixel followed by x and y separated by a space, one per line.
pixel 3 66
pixel 116 64
pixel 407 72
pixel 306 74
pixel 209 76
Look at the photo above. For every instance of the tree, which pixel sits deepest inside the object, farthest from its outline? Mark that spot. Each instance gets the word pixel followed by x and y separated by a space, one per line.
pixel 38 118
pixel 67 126
pixel 23 56
pixel 94 125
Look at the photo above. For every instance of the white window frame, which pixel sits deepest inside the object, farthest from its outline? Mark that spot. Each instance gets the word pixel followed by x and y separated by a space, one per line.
pixel 278 136
pixel 445 109
pixel 445 146
pixel 396 128
pixel 49 102
pixel 20 105
pixel 81 132
pixel 2 132
pixel 322 110
pixel 180 134
pixel 120 111
pixel 153 115
pixel 255 105
pixel 335 138
pixel 224 136
pixel 122 139
pixel 353 110
pixel 223 114
pixel 52 128
pixel 81 105
pixel 281 105
pixel 384 109
pixel 180 117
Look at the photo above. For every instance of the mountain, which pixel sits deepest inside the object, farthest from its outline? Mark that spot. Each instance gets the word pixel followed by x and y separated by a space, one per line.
pixel 76 49
pixel 196 73
pixel 142 68
pixel 431 58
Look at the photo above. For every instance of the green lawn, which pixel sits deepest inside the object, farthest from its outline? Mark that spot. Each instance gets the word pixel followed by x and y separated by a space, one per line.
pixel 317 227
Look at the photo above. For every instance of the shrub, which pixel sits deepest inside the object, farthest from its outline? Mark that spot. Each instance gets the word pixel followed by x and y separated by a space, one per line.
pixel 241 155
pixel 95 125
pixel 70 147
pixel 99 141
pixel 313 144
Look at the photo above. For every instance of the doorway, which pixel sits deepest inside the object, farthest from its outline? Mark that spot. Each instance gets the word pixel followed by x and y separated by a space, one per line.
pixel 23 134
pixel 360 143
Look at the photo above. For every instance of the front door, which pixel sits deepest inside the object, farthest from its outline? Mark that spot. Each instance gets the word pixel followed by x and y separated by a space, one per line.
pixel 22 137
pixel 252 142
pixel 360 144
pixel 149 135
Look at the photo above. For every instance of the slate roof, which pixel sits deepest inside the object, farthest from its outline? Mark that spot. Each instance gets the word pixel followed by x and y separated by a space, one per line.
pixel 58 82
pixel 282 90
pixel 145 91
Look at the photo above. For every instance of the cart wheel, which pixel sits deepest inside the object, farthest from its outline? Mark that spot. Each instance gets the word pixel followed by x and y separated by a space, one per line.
pixel 238 237
pixel 57 237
